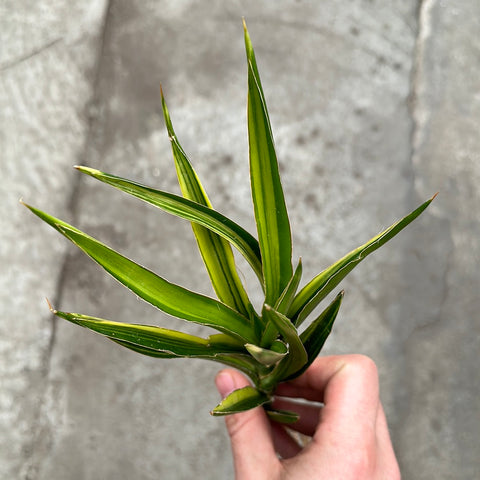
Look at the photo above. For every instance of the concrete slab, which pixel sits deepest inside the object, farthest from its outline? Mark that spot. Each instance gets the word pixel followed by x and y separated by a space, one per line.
pixel 373 108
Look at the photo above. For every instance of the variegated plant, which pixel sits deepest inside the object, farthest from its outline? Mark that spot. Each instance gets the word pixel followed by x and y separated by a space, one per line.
pixel 263 344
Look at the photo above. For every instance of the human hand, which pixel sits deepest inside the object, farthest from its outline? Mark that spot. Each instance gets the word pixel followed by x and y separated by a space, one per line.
pixel 349 433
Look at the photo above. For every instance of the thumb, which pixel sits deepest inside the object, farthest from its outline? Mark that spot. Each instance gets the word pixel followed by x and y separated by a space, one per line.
pixel 250 435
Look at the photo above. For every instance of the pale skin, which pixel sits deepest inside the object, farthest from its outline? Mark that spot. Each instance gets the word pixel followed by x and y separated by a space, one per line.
pixel 348 430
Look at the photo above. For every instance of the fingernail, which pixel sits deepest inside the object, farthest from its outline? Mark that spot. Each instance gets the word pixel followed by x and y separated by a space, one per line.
pixel 225 383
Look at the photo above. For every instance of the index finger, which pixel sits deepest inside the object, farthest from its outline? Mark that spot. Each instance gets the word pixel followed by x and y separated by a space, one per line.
pixel 347 385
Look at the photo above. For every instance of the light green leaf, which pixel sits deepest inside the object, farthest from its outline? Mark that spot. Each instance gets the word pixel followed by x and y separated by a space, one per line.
pixel 240 400
pixel 152 337
pixel 246 244
pixel 263 355
pixel 297 356
pixel 216 252
pixel 283 303
pixel 318 288
pixel 286 298
pixel 224 340
pixel 269 204
pixel 164 295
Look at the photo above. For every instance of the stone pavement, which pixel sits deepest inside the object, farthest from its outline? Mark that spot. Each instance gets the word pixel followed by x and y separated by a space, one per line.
pixel 374 108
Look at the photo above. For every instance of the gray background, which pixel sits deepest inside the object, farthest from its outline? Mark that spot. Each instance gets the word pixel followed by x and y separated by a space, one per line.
pixel 375 106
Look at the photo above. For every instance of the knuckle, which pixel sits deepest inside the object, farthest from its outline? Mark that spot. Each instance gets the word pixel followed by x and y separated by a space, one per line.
pixel 363 364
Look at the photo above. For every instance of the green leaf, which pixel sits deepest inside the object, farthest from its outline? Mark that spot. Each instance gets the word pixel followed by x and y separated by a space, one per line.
pixel 152 337
pixel 282 416
pixel 246 244
pixel 297 356
pixel 240 400
pixel 283 303
pixel 314 337
pixel 225 341
pixel 286 298
pixel 216 252
pixel 263 355
pixel 269 204
pixel 164 343
pixel 244 363
pixel 318 288
pixel 166 296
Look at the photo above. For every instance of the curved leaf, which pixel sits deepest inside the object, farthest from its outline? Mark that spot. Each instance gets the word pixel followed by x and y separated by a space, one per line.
pixel 246 244
pixel 263 355
pixel 240 400
pixel 152 337
pixel 297 356
pixel 157 291
pixel 244 363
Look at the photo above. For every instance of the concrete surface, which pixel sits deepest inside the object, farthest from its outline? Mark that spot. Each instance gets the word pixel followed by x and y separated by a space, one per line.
pixel 375 106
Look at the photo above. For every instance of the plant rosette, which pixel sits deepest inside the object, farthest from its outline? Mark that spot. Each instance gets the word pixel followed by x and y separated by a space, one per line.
pixel 266 345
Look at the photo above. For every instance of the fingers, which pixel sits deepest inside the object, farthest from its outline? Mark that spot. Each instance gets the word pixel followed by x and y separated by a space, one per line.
pixel 351 396
pixel 309 415
pixel 350 437
pixel 250 433
pixel 348 387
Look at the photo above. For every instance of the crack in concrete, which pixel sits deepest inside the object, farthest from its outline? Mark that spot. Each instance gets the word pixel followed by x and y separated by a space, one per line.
pixel 33 468
pixel 28 56
pixel 72 202
pixel 445 288
pixel 419 115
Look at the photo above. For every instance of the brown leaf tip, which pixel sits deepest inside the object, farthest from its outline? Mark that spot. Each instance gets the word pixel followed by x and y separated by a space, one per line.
pixel 50 306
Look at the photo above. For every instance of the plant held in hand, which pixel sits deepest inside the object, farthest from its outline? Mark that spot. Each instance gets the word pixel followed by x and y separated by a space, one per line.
pixel 265 345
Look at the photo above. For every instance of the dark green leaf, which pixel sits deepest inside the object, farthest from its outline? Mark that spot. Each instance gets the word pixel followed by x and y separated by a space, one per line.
pixel 244 363
pixel 282 416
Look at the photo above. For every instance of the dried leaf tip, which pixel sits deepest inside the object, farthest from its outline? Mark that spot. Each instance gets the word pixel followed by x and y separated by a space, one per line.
pixel 51 307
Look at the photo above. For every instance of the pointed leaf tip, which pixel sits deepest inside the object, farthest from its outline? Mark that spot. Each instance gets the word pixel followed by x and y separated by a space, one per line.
pixel 53 310
pixel 271 217
pixel 240 400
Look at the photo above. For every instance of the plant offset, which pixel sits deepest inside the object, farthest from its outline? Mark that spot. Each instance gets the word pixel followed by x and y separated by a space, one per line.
pixel 265 345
